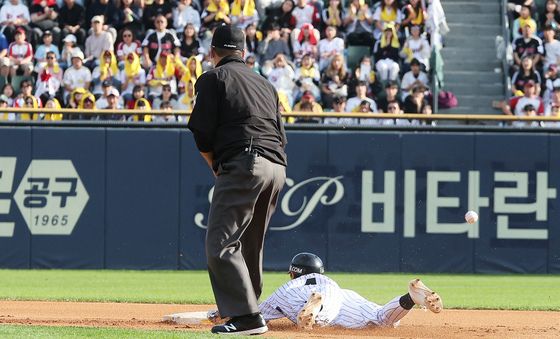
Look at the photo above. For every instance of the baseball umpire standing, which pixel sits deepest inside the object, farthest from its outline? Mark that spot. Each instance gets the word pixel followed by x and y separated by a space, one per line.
pixel 239 132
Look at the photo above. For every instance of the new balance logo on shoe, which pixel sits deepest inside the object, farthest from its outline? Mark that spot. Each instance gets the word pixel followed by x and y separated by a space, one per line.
pixel 230 327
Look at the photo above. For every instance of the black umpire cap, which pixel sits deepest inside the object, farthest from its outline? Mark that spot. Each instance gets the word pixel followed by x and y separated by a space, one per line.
pixel 228 37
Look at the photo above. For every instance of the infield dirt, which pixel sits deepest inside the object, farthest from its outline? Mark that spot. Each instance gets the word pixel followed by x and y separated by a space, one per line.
pixel 417 324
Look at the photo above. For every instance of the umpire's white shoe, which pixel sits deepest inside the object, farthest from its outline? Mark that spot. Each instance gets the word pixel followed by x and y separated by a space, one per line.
pixel 306 317
pixel 424 297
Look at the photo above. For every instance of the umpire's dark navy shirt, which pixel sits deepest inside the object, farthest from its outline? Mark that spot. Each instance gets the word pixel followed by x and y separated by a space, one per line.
pixel 233 104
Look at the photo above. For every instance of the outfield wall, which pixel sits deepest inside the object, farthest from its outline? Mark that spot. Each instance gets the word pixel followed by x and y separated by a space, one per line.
pixel 367 201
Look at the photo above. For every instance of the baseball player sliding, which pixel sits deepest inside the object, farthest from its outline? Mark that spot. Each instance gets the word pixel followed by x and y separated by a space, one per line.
pixel 310 299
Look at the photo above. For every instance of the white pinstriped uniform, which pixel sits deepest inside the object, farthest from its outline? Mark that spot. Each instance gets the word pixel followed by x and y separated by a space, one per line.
pixel 341 307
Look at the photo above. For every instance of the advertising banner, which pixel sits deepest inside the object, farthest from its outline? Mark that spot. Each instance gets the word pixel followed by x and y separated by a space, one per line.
pixel 364 201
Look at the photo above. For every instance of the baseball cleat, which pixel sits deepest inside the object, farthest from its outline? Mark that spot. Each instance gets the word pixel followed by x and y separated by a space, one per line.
pixel 424 297
pixel 306 317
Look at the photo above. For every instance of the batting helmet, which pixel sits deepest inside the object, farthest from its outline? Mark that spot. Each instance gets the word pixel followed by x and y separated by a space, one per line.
pixel 305 263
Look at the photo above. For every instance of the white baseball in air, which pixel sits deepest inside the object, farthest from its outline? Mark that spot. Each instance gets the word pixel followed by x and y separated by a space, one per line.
pixel 471 217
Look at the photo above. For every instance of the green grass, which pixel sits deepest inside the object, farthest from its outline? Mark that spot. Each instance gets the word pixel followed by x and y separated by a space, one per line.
pixel 42 332
pixel 516 292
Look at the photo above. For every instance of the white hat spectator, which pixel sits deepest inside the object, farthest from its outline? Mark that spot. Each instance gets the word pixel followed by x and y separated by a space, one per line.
pixel 114 92
pixel 70 38
pixel 98 18
pixel 78 54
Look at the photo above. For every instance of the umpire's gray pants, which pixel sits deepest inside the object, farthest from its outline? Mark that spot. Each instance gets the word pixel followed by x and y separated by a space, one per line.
pixel 244 199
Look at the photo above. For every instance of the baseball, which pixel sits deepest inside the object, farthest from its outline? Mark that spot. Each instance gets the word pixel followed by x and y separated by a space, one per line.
pixel 471 217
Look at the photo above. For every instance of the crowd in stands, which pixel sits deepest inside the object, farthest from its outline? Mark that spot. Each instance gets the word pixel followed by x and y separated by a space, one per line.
pixel 535 78
pixel 144 54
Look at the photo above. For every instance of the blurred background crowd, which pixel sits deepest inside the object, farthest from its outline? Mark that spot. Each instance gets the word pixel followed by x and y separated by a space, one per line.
pixel 333 55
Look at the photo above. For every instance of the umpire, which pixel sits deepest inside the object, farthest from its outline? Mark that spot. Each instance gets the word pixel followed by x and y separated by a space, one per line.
pixel 239 132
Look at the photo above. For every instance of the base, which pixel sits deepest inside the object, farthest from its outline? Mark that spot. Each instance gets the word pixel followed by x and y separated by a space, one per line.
pixel 188 318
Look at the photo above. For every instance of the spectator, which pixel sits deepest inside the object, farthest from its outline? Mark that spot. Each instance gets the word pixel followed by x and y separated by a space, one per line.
pixel 130 17
pixel 552 81
pixel 98 42
pixel 282 75
pixel 20 53
pixel 329 47
pixel 74 100
pixel 165 96
pixel 551 48
pixel 215 14
pixel 361 95
pixel 333 15
pixel 334 81
pixel 186 100
pixel 526 73
pixel 107 70
pixel 128 45
pixel 77 76
pixel 554 112
pixel 391 95
pixel 252 40
pixel 50 64
pixel 190 45
pixel 114 104
pixel 159 41
pixel 26 90
pixel 106 88
pixel 87 102
pixel 305 41
pixel 523 20
pixel 47 83
pixel 529 111
pixel 280 17
pixel 414 14
pixel 4 104
pixel 358 22
pixel 53 103
pixel 9 93
pixel 339 106
pixel 131 76
pixel 307 77
pixel 141 105
pixel 72 20
pixel 44 17
pixel 554 100
pixel 68 50
pixel 185 14
pixel 244 13
pixel 47 46
pixel 137 94
pixel 109 13
pixel 528 44
pixel 153 11
pixel 29 101
pixel 13 16
pixel 273 45
pixel 416 47
pixel 252 63
pixel 364 72
pixel 5 70
pixel 163 73
pixel 386 14
pixel 412 78
pixel 551 16
pixel 386 52
pixel 304 13
pixel 307 107
pixel 308 97
pixel 416 102
pixel 3 46
pixel 192 70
